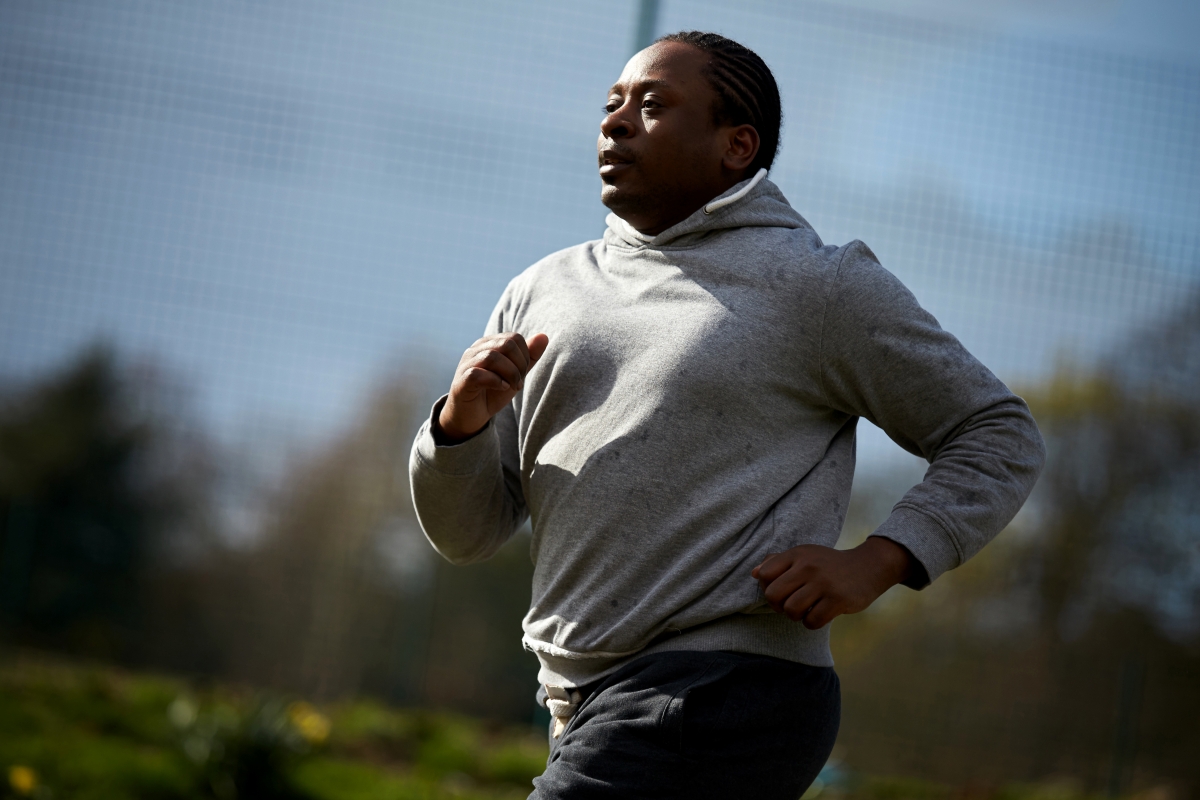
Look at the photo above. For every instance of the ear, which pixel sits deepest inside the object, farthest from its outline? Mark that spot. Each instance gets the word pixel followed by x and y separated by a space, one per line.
pixel 741 146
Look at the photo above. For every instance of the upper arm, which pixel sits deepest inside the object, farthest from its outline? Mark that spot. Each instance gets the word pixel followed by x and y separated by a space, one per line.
pixel 886 359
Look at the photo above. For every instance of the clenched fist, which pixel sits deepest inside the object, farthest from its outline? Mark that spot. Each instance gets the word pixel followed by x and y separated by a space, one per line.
pixel 813 584
pixel 489 375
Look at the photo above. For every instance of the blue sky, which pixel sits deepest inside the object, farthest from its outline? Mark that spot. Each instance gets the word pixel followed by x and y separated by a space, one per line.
pixel 283 201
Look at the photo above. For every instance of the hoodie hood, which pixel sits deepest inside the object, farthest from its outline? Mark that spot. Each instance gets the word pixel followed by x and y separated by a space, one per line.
pixel 764 206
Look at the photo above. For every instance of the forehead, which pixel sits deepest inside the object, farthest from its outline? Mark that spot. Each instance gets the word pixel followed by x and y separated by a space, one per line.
pixel 667 65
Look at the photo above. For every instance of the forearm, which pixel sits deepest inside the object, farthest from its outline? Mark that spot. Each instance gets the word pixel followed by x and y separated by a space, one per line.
pixel 467 503
pixel 976 482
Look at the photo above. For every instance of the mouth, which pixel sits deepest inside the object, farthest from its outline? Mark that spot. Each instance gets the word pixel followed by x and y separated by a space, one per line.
pixel 611 161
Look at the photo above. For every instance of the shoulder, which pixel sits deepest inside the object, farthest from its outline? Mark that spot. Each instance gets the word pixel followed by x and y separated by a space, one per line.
pixel 866 297
pixel 794 257
pixel 859 275
pixel 549 275
pixel 558 264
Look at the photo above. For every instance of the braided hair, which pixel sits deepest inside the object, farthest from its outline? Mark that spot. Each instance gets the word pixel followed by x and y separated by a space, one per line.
pixel 746 90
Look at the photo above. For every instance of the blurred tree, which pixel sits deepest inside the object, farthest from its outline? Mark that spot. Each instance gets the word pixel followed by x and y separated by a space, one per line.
pixel 126 535
pixel 339 593
pixel 95 480
pixel 1070 646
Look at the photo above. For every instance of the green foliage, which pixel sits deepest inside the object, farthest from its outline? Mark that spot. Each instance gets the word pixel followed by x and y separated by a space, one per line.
pixel 1048 790
pixel 91 732
pixel 439 746
pixel 517 762
pixel 893 788
pixel 354 780
pixel 248 751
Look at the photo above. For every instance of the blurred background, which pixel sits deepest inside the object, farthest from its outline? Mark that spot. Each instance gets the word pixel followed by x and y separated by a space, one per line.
pixel 242 245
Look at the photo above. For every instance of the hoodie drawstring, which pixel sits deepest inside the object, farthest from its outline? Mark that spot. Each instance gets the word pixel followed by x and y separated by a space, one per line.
pixel 738 195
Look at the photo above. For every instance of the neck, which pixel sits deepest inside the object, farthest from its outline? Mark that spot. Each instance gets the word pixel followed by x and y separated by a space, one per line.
pixel 679 208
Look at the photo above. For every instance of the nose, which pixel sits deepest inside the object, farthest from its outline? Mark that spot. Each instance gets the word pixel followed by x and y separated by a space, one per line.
pixel 617 124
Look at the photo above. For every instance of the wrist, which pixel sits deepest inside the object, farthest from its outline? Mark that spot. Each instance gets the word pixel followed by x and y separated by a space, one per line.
pixel 446 432
pixel 890 560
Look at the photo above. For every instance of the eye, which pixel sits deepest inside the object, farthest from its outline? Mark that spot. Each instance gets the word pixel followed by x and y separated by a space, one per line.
pixel 611 106
pixel 651 104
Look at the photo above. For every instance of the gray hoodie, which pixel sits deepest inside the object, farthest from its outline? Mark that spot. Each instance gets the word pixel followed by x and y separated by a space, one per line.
pixel 694 412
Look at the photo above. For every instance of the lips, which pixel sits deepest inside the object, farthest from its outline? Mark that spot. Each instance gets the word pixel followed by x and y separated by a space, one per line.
pixel 612 161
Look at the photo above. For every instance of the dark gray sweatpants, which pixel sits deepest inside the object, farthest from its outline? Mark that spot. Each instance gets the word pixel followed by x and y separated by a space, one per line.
pixel 697 725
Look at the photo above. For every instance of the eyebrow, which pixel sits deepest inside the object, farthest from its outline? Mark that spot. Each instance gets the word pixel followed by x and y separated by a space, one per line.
pixel 653 83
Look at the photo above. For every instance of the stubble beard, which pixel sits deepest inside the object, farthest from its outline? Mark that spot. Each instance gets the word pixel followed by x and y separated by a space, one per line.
pixel 628 204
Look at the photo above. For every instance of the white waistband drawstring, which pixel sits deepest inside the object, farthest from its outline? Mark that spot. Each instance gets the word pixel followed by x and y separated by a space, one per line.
pixel 563 703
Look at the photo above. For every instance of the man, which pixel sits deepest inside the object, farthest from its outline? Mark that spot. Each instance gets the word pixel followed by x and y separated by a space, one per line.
pixel 674 405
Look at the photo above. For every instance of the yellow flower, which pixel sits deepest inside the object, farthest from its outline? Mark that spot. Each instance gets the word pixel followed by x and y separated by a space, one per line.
pixel 312 724
pixel 22 779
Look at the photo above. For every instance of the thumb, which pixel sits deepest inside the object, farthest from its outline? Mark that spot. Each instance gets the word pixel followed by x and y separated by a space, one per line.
pixel 537 346
pixel 772 567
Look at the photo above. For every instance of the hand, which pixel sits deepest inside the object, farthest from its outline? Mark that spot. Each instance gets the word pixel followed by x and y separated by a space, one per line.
pixel 813 584
pixel 488 377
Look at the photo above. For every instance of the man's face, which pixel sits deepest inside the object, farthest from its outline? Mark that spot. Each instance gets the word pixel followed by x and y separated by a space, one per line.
pixel 661 155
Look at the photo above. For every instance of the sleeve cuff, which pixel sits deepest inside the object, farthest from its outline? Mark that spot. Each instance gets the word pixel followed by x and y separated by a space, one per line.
pixel 464 458
pixel 923 537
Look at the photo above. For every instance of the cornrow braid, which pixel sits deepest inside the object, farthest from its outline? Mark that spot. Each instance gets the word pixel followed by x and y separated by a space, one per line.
pixel 746 90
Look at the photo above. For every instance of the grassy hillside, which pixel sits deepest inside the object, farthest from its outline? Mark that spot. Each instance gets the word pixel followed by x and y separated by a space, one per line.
pixel 70 731
pixel 89 732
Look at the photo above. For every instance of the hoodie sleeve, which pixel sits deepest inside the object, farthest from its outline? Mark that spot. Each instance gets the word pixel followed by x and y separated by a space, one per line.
pixel 886 359
pixel 468 496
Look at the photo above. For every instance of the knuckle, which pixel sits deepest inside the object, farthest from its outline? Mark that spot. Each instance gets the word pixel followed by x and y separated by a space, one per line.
pixel 477 375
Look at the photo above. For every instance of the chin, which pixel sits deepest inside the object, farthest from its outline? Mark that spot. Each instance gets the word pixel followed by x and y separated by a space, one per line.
pixel 609 195
pixel 619 198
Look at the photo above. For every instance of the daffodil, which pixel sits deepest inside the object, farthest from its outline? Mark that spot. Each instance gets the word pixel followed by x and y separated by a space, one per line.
pixel 22 779
pixel 312 724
